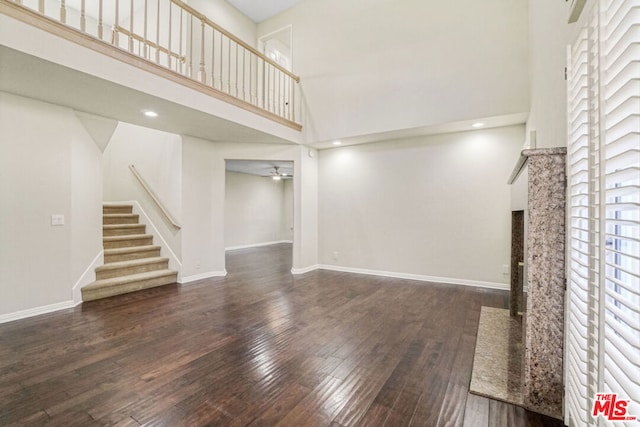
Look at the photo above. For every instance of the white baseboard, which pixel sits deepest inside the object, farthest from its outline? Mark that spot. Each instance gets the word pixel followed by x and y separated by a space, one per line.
pixel 87 277
pixel 23 314
pixel 418 277
pixel 256 245
pixel 305 269
pixel 196 277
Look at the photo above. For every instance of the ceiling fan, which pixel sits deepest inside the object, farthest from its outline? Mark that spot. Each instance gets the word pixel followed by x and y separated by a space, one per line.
pixel 276 175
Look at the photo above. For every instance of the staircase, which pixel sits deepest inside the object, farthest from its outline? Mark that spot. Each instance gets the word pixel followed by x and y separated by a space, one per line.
pixel 131 261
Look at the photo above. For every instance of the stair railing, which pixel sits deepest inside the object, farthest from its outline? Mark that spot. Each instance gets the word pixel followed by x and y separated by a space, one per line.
pixel 153 196
pixel 173 35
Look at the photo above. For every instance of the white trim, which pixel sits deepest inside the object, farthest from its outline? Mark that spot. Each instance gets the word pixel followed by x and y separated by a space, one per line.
pixel 189 279
pixel 418 277
pixel 256 245
pixel 36 311
pixel 305 269
pixel 87 277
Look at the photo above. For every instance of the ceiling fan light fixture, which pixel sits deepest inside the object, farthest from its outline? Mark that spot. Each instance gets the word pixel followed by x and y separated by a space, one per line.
pixel 276 177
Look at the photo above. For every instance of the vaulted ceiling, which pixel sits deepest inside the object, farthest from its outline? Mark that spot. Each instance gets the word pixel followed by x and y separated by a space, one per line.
pixel 259 10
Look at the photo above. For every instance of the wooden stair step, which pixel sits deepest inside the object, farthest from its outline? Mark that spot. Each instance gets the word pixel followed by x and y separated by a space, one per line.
pixel 125 284
pixel 108 219
pixel 130 253
pixel 126 268
pixel 123 229
pixel 110 242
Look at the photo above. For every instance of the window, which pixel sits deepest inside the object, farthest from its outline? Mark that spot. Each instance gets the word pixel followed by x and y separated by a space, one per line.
pixel 603 168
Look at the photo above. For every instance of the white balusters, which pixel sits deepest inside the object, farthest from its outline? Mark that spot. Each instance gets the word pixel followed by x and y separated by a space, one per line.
pixel 203 72
pixel 180 36
pixel 195 48
pixel 100 23
pixel 213 58
pixel 145 48
pixel 130 25
pixel 63 12
pixel 115 37
pixel 170 32
pixel 83 17
pixel 158 34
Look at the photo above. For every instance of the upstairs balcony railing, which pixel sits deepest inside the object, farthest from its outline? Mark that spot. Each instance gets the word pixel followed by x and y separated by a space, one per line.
pixel 175 36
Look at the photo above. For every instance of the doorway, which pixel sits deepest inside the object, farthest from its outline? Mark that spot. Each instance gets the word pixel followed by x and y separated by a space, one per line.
pixel 258 209
pixel 278 46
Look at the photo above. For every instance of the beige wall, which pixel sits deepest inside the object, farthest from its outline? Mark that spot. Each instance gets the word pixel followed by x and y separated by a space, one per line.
pixel 157 156
pixel 256 210
pixel 549 36
pixel 436 206
pixel 386 65
pixel 228 17
pixel 48 165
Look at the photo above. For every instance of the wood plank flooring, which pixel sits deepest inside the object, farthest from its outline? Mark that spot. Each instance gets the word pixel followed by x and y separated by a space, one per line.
pixel 259 347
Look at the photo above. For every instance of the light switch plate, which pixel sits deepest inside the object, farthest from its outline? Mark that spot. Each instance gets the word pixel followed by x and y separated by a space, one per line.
pixel 57 220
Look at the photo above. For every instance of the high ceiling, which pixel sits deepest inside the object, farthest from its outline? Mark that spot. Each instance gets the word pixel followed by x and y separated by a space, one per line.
pixel 259 10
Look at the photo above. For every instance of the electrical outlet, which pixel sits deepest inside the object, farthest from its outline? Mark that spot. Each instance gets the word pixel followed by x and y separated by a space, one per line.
pixel 505 269
pixel 336 255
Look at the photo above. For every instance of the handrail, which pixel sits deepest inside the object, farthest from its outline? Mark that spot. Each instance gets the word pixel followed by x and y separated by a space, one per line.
pixel 122 30
pixel 151 194
pixel 179 43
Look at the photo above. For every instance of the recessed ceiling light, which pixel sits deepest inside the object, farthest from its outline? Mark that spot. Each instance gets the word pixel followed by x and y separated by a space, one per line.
pixel 477 125
pixel 337 142
pixel 149 113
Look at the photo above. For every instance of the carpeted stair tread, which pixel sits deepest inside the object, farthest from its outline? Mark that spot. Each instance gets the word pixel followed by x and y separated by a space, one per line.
pixel 129 279
pixel 111 230
pixel 132 263
pixel 119 226
pixel 130 249
pixel 125 284
pixel 117 209
pixel 126 237
pixel 121 215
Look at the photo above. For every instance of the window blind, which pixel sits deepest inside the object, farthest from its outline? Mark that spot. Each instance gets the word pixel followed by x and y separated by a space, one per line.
pixel 603 167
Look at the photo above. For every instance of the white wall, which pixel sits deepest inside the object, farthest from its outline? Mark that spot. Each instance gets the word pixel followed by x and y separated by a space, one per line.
pixel 549 36
pixel 384 65
pixel 229 18
pixel 435 206
pixel 157 156
pixel 286 232
pixel 203 202
pixel 255 210
pixel 48 165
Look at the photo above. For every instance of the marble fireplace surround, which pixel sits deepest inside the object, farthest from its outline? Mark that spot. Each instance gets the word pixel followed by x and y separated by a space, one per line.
pixel 540 346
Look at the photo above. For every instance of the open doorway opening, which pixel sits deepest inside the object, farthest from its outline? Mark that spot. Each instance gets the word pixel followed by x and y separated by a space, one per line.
pixel 258 215
pixel 278 46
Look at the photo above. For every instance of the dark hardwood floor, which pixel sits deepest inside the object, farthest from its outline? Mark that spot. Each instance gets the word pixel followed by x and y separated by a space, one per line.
pixel 259 347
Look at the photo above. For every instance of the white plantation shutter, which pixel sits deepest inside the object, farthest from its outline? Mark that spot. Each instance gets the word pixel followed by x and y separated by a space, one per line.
pixel 603 253
pixel 577 351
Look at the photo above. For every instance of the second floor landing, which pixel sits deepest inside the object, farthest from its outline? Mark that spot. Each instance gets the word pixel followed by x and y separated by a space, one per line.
pixel 52 62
